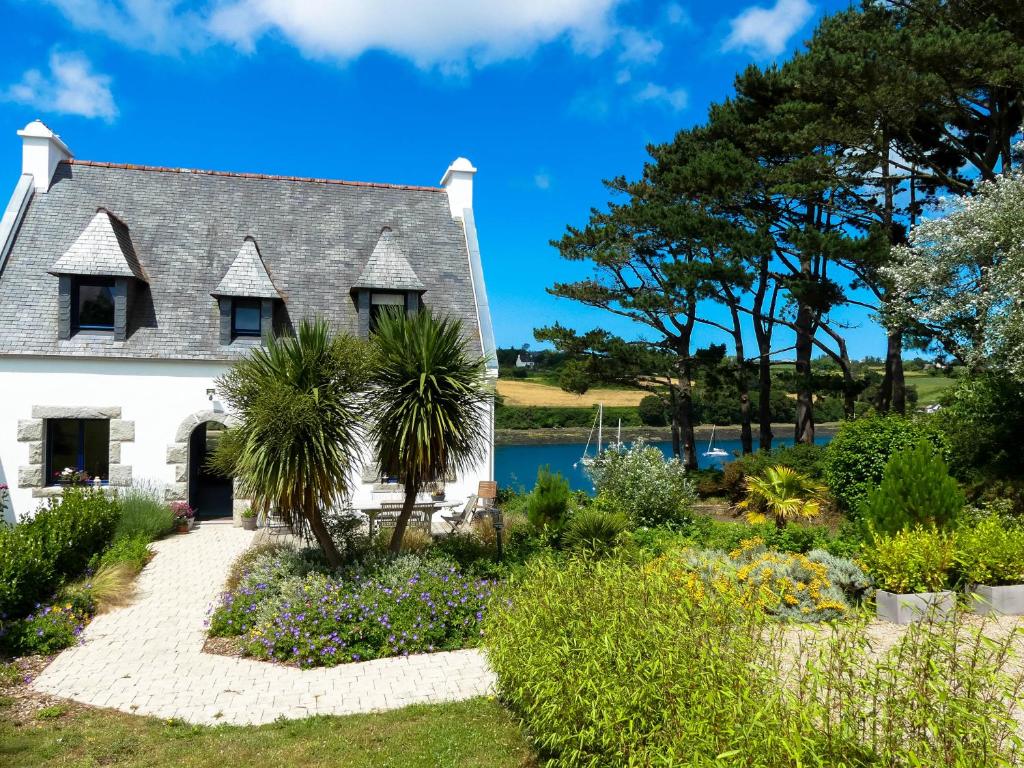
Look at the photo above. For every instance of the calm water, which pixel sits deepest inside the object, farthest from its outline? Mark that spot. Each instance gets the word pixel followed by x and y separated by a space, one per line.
pixel 517 465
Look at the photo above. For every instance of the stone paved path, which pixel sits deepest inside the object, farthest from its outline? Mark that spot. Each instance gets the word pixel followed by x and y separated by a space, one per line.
pixel 147 658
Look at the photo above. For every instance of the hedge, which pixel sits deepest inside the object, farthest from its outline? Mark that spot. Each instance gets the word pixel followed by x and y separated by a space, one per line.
pixel 37 555
pixel 543 417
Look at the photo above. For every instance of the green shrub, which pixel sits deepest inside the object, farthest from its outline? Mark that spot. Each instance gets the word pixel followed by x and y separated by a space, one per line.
pixel 50 628
pixel 548 417
pixel 913 560
pixel 143 513
pixel 57 543
pixel 990 552
pixel 854 461
pixel 804 458
pixel 129 550
pixel 916 489
pixel 75 526
pixel 653 411
pixel 983 420
pixel 649 488
pixel 795 537
pixel 27 572
pixel 548 503
pixel 595 530
pixel 612 662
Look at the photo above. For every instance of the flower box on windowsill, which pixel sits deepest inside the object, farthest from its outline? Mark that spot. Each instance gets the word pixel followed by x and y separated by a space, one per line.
pixel 1007 600
pixel 906 608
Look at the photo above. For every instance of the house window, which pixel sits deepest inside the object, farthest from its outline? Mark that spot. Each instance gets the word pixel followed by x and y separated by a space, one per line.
pixel 92 302
pixel 382 302
pixel 245 318
pixel 77 449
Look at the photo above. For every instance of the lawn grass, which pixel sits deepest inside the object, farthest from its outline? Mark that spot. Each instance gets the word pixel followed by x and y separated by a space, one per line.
pixel 929 388
pixel 473 733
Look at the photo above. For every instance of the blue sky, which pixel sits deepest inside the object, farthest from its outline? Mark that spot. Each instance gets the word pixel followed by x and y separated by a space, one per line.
pixel 546 97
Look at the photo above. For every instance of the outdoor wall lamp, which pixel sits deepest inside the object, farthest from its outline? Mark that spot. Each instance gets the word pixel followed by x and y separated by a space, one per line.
pixel 210 393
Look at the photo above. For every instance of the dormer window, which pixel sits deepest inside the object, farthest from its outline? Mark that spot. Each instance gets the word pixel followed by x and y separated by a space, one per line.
pixel 98 276
pixel 245 317
pixel 381 302
pixel 246 297
pixel 92 301
pixel 387 281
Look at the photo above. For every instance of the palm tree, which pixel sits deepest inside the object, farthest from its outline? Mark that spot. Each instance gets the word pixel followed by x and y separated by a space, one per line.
pixel 428 403
pixel 300 400
pixel 785 494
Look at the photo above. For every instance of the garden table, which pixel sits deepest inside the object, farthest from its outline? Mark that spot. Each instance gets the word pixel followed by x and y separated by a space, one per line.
pixel 372 510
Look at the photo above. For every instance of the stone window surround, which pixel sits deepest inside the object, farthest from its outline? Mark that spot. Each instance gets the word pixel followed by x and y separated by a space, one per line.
pixel 177 458
pixel 32 431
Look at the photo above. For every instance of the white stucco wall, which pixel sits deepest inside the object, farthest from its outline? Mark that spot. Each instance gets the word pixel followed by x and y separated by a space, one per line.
pixel 156 395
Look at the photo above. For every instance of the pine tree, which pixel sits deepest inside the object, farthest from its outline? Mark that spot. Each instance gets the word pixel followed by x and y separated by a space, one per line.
pixel 916 489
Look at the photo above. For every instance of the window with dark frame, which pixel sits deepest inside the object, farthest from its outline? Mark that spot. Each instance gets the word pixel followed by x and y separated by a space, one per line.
pixel 382 302
pixel 77 450
pixel 92 304
pixel 246 318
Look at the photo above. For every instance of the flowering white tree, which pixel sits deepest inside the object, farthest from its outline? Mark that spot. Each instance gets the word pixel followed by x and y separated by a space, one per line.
pixel 961 279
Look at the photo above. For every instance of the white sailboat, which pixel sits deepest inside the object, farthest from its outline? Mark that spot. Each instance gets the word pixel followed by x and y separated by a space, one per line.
pixel 599 425
pixel 712 451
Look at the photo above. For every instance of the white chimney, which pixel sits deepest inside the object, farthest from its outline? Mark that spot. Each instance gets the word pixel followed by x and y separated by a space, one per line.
pixel 458 183
pixel 41 150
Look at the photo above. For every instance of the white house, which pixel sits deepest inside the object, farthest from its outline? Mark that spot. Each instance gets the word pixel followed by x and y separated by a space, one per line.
pixel 525 360
pixel 126 290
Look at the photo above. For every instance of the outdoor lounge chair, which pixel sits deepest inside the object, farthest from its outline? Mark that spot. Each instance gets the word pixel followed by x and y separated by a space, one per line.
pixel 465 515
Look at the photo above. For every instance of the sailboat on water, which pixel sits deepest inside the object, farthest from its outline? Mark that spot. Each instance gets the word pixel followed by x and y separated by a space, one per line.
pixel 712 451
pixel 598 425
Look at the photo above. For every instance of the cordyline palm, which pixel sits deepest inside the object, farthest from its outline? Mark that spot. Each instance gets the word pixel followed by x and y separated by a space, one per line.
pixel 300 401
pixel 785 494
pixel 428 401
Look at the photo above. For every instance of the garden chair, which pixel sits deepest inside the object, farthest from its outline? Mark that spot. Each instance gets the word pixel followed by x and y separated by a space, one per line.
pixel 457 519
pixel 487 492
pixel 390 511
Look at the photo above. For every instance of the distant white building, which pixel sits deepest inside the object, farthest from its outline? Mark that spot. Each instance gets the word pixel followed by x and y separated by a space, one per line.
pixel 126 290
pixel 525 360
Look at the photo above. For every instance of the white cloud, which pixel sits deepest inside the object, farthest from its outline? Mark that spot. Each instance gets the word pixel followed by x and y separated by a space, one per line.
pixel 429 34
pixel 542 180
pixel 673 98
pixel 638 47
pixel 160 26
pixel 767 31
pixel 70 88
pixel 678 15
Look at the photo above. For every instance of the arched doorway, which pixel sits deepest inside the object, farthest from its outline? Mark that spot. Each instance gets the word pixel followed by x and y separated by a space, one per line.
pixel 209 494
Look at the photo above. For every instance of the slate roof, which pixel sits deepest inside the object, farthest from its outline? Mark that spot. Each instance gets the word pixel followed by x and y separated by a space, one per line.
pixel 315 238
pixel 247 276
pixel 104 249
pixel 388 267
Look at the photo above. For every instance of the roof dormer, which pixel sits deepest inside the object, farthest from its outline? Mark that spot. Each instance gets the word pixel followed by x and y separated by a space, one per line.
pixel 387 280
pixel 246 296
pixel 98 276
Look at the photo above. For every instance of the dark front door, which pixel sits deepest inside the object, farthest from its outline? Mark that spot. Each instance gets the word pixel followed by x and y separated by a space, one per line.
pixel 209 494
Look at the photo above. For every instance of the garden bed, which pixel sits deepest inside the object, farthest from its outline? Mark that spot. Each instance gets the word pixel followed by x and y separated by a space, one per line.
pixel 287 607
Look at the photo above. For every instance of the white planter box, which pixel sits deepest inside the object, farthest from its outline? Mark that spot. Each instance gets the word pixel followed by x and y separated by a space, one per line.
pixel 903 609
pixel 1008 601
